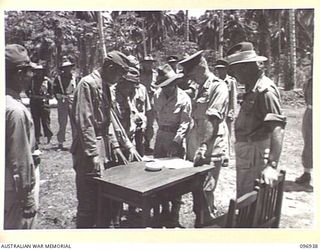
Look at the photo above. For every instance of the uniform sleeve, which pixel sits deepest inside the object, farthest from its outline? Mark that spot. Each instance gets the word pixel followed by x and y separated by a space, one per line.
pixel 56 86
pixel 218 102
pixel 270 107
pixel 84 113
pixel 185 120
pixel 233 96
pixel 117 134
pixel 147 102
pixel 19 161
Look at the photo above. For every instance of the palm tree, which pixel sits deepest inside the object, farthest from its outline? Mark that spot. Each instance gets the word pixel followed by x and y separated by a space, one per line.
pixel 293 55
pixel 187 26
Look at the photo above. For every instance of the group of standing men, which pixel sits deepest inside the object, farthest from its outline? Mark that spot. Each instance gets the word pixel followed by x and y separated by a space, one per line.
pixel 113 112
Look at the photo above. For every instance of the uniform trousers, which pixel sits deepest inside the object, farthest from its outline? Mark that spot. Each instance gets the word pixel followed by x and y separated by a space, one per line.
pixel 251 159
pixel 41 115
pixel 13 210
pixel 64 111
pixel 307 138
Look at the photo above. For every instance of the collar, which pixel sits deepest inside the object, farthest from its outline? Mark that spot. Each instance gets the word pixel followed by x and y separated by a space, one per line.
pixel 13 93
pixel 260 85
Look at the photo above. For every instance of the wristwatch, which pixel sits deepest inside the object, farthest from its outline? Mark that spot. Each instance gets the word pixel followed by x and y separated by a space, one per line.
pixel 273 164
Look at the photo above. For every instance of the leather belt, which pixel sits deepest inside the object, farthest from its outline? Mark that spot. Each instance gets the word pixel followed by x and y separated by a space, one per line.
pixel 243 138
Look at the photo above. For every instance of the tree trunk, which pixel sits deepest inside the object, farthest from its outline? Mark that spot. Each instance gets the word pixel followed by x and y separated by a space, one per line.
pixel 58 39
pixel 293 56
pixel 278 60
pixel 101 35
pixel 144 40
pixel 265 37
pixel 221 33
pixel 186 20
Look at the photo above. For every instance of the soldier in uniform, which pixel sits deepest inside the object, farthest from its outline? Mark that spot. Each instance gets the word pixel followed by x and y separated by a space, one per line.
pixel 147 77
pixel 307 152
pixel 94 138
pixel 39 94
pixel 221 67
pixel 173 62
pixel 131 103
pixel 173 114
pixel 259 127
pixel 207 140
pixel 63 87
pixel 21 172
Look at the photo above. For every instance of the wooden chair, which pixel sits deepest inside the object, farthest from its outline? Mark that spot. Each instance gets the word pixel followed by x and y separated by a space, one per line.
pixel 268 210
pixel 260 208
pixel 240 213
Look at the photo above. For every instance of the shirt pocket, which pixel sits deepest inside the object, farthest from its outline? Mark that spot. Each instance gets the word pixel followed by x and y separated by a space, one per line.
pixel 244 155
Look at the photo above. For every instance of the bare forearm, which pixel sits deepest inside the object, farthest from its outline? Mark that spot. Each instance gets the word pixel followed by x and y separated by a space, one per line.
pixel 211 130
pixel 276 140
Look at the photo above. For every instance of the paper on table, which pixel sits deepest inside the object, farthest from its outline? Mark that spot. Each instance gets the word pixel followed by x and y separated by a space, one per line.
pixel 173 163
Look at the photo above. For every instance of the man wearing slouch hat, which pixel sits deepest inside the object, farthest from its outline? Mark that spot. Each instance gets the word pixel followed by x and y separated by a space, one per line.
pixel 21 166
pixel 207 141
pixel 173 114
pixel 259 127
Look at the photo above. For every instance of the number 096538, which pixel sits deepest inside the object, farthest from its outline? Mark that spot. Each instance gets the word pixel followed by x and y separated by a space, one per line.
pixel 307 246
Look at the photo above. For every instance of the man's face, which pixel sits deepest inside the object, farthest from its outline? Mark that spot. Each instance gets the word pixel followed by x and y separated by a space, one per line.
pixel 195 73
pixel 241 71
pixel 222 72
pixel 126 87
pixel 112 73
pixel 147 65
pixel 24 78
pixel 66 70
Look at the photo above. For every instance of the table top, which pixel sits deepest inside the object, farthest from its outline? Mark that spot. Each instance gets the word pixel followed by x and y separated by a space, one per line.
pixel 134 176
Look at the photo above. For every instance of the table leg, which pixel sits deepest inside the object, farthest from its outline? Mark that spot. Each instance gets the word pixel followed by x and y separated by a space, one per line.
pixel 99 208
pixel 145 213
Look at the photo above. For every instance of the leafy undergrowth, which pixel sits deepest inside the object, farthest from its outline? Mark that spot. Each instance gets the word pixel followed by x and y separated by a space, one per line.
pixel 58 194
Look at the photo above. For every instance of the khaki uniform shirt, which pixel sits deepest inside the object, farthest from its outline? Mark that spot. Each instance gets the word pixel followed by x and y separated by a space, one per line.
pixel 211 100
pixel 147 78
pixel 261 104
pixel 64 87
pixel 232 87
pixel 174 112
pixel 19 145
pixel 129 109
pixel 91 115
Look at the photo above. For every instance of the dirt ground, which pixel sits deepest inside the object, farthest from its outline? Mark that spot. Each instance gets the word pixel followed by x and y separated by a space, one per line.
pixel 58 194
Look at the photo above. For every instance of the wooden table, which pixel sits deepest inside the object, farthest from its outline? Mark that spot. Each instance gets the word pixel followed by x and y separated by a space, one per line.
pixel 134 185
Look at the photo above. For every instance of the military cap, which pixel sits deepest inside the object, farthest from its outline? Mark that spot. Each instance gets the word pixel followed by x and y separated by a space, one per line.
pixel 172 59
pixel 243 52
pixel 148 58
pixel 166 75
pixel 133 75
pixel 118 58
pixel 190 61
pixel 16 56
pixel 221 63
pixel 66 62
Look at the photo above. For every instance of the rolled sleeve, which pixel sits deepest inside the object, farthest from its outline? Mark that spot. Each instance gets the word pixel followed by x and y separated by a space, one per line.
pixel 218 103
pixel 271 108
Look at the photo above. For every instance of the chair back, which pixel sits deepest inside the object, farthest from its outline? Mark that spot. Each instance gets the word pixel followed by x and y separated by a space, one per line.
pixel 241 210
pixel 269 203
